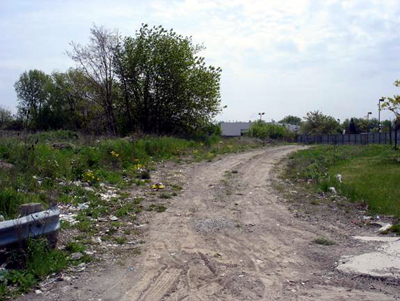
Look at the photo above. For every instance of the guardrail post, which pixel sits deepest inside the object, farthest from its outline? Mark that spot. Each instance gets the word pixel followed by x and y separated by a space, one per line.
pixel 26 209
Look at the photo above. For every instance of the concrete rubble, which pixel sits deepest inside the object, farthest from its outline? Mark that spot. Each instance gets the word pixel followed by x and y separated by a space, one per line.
pixel 384 262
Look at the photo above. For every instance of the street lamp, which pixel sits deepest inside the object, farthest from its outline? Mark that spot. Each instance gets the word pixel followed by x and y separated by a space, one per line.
pixel 261 114
pixel 369 113
pixel 379 115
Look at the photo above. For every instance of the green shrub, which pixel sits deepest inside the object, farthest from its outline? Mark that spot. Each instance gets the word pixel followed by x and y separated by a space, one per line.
pixel 263 130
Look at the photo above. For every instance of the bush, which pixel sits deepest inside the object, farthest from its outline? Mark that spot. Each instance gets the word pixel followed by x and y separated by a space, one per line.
pixel 263 130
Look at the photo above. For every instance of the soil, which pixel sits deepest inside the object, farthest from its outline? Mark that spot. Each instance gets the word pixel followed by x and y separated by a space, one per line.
pixel 229 235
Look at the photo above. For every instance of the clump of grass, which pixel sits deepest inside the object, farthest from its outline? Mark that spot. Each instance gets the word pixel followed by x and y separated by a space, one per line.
pixel 165 195
pixel 120 240
pixel 324 241
pixel 394 229
pixel 28 266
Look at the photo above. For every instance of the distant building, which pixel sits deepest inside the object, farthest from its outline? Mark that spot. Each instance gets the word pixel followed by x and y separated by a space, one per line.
pixel 231 129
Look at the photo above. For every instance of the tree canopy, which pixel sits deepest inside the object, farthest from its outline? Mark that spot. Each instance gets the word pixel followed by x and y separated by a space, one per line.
pixel 317 123
pixel 393 103
pixel 153 82
pixel 291 120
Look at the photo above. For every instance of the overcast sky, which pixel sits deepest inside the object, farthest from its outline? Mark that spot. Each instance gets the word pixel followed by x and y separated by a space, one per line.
pixel 280 57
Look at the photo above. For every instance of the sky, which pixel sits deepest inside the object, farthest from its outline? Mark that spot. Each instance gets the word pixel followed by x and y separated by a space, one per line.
pixel 281 57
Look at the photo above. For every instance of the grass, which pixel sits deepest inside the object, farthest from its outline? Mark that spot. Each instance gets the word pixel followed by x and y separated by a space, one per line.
pixel 370 174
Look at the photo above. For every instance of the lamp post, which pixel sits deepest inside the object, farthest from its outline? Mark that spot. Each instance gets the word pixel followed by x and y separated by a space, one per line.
pixel 261 114
pixel 369 113
pixel 379 113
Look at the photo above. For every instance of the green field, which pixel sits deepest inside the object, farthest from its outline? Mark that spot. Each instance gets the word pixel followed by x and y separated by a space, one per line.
pixel 370 174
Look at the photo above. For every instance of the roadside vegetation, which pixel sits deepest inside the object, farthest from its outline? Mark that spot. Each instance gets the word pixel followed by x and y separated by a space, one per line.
pixel 366 174
pixel 94 179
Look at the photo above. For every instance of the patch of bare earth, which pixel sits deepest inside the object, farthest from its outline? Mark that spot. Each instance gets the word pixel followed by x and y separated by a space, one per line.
pixel 230 236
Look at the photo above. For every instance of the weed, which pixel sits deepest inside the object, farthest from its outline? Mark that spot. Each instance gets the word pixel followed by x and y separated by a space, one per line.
pixel 136 251
pixel 120 240
pixel 75 247
pixel 161 208
pixel 176 187
pixel 165 195
pixel 395 229
pixel 323 241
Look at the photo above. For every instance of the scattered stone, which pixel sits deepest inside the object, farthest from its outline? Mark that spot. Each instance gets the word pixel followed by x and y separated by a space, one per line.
pixel 2 219
pixel 38 292
pixel 339 178
pixel 113 218
pixel 76 256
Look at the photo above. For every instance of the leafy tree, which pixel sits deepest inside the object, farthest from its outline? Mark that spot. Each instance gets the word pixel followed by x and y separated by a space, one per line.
pixel 5 117
pixel 317 123
pixel 361 125
pixel 167 86
pixel 96 61
pixel 32 94
pixel 393 103
pixel 291 120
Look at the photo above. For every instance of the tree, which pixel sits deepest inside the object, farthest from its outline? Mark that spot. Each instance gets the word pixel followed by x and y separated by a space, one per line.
pixel 96 61
pixel 317 123
pixel 5 117
pixel 291 120
pixel 32 94
pixel 393 103
pixel 167 86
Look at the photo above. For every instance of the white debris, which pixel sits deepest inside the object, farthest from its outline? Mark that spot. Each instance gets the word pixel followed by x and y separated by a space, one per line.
pixel 385 227
pixel 332 189
pixel 113 218
pixel 82 206
pixel 339 178
pixel 69 217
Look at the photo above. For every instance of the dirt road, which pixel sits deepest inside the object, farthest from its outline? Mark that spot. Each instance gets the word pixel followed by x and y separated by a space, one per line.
pixel 227 237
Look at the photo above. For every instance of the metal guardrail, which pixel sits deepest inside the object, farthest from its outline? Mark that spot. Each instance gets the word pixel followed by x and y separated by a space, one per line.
pixel 33 225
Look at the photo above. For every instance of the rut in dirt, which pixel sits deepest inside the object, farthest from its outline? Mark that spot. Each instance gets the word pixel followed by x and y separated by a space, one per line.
pixel 226 237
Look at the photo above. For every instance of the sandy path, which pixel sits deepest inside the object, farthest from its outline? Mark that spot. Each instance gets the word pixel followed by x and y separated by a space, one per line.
pixel 226 237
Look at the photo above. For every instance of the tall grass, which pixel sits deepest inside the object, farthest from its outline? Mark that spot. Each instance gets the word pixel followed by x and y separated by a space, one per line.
pixel 41 161
pixel 370 174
